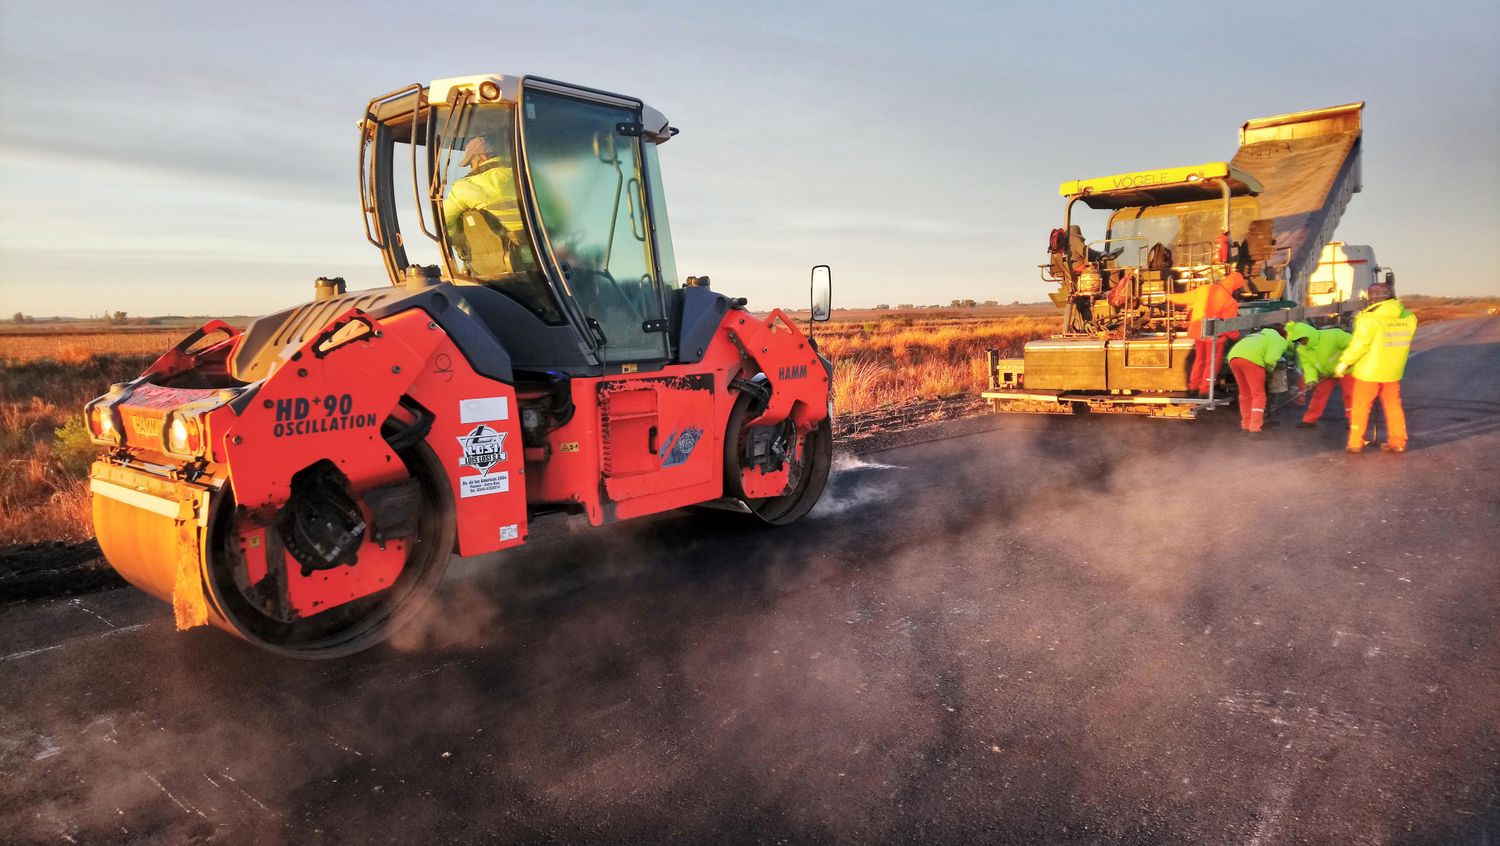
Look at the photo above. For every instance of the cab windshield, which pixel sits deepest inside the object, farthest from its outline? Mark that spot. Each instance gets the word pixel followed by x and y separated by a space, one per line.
pixel 485 231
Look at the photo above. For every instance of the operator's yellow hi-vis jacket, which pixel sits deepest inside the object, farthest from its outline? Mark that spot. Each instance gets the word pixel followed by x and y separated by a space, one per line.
pixel 1381 343
pixel 491 187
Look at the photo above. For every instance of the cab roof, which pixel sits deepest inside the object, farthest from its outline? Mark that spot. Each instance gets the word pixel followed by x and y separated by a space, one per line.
pixel 1161 186
pixel 653 122
pixel 399 109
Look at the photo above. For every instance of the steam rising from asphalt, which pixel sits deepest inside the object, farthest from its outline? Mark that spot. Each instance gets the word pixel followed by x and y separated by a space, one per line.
pixel 846 462
pixel 1063 629
pixel 853 482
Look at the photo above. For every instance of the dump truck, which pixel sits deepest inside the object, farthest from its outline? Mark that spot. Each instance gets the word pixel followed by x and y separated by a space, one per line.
pixel 1266 213
pixel 303 483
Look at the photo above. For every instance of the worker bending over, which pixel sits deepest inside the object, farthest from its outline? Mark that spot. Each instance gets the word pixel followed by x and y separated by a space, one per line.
pixel 1213 301
pixel 1318 352
pixel 1250 359
pixel 1376 356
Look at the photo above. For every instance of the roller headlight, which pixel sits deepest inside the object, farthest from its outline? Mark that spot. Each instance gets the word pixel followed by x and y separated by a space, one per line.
pixel 182 435
pixel 101 423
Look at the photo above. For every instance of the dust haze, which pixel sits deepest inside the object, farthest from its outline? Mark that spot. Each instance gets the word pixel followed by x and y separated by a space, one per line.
pixel 620 673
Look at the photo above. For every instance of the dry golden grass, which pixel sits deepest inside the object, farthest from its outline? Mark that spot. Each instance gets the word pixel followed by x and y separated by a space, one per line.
pixel 902 359
pixel 1434 309
pixel 41 496
pixel 44 381
pixel 79 347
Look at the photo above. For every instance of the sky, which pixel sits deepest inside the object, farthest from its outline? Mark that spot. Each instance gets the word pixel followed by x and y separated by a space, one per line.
pixel 199 158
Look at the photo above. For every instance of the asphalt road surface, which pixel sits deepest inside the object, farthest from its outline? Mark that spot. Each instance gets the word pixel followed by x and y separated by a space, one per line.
pixel 1023 629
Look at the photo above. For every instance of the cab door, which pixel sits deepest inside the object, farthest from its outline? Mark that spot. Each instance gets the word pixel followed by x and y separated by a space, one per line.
pixel 584 162
pixel 586 166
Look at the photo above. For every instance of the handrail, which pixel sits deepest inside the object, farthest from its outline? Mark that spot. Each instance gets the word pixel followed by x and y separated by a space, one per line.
pixel 416 188
pixel 438 168
pixel 367 130
pixel 1070 309
pixel 369 134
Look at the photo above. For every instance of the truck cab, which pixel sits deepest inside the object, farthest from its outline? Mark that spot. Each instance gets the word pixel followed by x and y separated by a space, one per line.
pixel 1345 272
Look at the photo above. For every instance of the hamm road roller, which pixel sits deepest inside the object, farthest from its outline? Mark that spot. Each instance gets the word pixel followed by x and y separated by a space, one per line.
pixel 303 483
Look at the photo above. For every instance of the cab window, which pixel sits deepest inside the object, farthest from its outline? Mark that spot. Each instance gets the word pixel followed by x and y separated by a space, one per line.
pixel 587 178
pixel 485 230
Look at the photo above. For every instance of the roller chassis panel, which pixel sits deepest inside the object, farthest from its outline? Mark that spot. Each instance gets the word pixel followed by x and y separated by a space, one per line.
pixel 326 402
pixel 475 431
pixel 606 461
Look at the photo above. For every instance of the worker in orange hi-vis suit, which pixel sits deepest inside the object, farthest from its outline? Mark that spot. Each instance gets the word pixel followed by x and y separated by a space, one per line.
pixel 1214 301
pixel 1377 358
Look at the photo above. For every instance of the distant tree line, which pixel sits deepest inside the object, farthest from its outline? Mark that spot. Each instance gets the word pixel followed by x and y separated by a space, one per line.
pixel 112 318
pixel 953 304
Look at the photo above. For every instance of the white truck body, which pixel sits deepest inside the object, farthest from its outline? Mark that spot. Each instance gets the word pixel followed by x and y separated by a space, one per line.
pixel 1344 272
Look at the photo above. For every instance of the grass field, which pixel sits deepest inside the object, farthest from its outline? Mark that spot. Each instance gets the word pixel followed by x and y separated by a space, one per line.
pixel 42 494
pixel 902 358
pixel 884 359
pixel 79 347
pixel 1433 309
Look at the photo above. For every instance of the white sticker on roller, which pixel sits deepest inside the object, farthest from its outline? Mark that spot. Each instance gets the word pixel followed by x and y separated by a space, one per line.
pixel 483 448
pixel 484 485
pixel 510 532
pixel 483 409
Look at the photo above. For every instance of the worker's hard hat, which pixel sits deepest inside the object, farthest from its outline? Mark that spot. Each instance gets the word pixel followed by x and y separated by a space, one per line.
pixel 1380 292
pixel 476 151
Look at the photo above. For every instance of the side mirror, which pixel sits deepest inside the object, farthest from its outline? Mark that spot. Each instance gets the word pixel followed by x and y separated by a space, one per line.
pixel 822 293
pixel 1390 278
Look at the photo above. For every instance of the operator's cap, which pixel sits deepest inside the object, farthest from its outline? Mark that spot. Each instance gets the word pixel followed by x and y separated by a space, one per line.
pixel 1380 292
pixel 476 151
